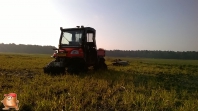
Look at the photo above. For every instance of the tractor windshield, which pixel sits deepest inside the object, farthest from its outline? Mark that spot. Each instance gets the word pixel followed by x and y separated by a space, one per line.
pixel 71 38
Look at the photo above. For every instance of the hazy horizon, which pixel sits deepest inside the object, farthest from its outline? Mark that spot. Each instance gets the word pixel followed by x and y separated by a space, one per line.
pixel 123 25
pixel 105 49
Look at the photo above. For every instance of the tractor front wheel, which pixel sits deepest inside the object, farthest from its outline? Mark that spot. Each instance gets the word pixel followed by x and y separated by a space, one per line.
pixel 51 69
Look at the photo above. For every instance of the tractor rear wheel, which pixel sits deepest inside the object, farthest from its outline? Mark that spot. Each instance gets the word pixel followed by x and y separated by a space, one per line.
pixel 101 65
pixel 77 66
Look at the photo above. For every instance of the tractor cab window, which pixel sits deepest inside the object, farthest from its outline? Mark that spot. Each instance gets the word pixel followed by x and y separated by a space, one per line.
pixel 71 38
pixel 90 37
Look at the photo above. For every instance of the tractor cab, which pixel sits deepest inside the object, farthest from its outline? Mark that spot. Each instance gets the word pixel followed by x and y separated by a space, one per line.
pixel 79 42
pixel 77 37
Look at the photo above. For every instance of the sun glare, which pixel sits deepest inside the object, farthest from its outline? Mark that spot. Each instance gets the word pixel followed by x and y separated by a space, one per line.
pixel 25 22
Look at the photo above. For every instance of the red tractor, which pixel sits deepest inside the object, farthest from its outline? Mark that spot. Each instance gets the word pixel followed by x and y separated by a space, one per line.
pixel 76 52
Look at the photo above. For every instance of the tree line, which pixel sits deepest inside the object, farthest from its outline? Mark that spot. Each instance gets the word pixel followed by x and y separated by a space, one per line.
pixel 193 55
pixel 37 49
pixel 22 48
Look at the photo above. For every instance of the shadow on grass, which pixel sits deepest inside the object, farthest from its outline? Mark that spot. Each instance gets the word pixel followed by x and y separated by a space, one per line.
pixel 185 85
pixel 179 82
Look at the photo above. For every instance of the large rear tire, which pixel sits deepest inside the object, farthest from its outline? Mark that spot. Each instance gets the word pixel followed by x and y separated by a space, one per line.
pixel 77 66
pixel 101 65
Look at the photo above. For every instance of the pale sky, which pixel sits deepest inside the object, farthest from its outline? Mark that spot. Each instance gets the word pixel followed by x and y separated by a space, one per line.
pixel 120 24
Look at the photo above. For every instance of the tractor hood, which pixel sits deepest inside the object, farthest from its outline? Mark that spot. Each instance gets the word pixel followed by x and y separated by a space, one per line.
pixel 68 52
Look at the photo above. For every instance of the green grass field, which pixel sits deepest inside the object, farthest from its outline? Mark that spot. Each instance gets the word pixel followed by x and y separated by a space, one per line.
pixel 144 85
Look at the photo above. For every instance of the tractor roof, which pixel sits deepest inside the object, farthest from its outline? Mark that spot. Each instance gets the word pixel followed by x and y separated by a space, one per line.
pixel 78 28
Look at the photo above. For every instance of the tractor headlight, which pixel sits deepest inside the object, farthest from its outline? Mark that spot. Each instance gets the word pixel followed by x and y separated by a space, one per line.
pixel 74 52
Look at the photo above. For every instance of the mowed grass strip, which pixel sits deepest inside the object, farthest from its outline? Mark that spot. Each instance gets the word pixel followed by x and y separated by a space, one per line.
pixel 146 84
